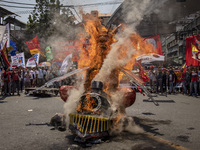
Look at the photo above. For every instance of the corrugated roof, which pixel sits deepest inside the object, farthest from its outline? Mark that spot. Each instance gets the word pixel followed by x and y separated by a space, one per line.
pixel 16 22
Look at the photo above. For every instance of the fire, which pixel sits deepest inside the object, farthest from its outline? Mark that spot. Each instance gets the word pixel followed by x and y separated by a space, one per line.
pixel 94 52
pixel 141 47
pixel 86 105
pixel 96 43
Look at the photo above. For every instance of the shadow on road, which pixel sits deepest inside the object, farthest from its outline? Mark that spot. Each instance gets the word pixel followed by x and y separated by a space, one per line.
pixel 148 113
pixel 147 124
pixel 160 101
pixel 38 124
pixel 2 97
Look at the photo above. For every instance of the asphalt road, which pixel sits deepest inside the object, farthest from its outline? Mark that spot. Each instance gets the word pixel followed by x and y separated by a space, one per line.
pixel 174 124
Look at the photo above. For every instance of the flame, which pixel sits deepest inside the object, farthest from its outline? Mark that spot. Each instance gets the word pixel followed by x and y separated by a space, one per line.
pixel 87 105
pixel 96 41
pixel 141 47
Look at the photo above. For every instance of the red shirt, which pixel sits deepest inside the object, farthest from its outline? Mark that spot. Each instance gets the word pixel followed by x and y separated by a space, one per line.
pixel 6 76
pixel 194 76
pixel 15 76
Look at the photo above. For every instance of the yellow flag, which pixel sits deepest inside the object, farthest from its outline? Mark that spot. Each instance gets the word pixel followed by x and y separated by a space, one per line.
pixel 34 51
pixel 194 49
pixel 9 48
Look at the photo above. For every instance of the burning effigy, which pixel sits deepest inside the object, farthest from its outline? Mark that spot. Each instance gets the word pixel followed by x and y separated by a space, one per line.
pixel 96 106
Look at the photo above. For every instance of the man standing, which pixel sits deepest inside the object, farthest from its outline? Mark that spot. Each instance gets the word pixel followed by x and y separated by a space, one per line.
pixel 152 78
pixel 40 76
pixel 183 79
pixel 188 80
pixel 7 82
pixel 193 83
pixel 32 76
pixel 21 77
pixel 171 81
pixel 15 81
pixel 159 81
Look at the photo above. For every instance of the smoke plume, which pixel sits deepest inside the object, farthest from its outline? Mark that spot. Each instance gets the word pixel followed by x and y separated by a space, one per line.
pixel 72 101
pixel 133 12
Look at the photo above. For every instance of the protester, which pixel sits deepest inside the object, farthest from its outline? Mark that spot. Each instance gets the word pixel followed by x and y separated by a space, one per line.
pixel 7 82
pixel 159 86
pixel 35 83
pixel 21 75
pixel 32 76
pixel 152 78
pixel 188 79
pixel 47 77
pixel 15 81
pixel 183 80
pixel 171 80
pixel 175 80
pixel 40 76
pixel 1 81
pixel 27 79
pixel 164 80
pixel 199 80
pixel 193 83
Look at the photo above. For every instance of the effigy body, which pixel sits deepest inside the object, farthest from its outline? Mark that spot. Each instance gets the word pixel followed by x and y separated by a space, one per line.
pixel 103 103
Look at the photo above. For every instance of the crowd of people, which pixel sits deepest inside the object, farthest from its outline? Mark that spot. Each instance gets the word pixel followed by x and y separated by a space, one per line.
pixel 14 80
pixel 161 80
pixel 165 80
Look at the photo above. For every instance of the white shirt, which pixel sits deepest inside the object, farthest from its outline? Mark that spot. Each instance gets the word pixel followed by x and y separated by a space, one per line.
pixel 32 74
pixel 40 74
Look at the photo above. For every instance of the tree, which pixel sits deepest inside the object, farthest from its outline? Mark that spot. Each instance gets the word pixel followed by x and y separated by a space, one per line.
pixel 50 21
pixel 48 18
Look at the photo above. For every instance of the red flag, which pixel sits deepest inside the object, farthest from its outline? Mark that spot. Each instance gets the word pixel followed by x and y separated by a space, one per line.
pixel 142 73
pixel 155 41
pixel 192 57
pixel 34 46
pixel 4 59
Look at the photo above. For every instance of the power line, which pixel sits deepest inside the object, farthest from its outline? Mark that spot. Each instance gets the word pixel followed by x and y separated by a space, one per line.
pixel 94 4
pixel 70 6
pixel 17 3
pixel 81 5
pixel 17 6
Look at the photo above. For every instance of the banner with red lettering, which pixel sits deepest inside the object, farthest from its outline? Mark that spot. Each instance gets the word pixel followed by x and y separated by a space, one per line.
pixel 31 62
pixel 155 41
pixel 193 50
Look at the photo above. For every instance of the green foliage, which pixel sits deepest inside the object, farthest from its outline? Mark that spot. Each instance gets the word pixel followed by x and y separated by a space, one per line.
pixel 46 18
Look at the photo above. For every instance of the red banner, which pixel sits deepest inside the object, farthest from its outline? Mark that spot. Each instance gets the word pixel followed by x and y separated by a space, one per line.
pixel 64 48
pixel 155 41
pixel 3 57
pixel 142 73
pixel 34 46
pixel 193 50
